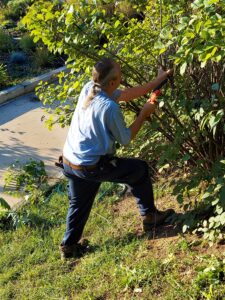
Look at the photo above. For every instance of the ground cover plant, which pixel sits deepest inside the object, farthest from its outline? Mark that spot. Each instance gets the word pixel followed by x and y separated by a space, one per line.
pixel 188 131
pixel 21 58
pixel 121 263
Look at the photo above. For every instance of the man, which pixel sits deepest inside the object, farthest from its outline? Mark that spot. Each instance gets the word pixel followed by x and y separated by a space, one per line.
pixel 88 154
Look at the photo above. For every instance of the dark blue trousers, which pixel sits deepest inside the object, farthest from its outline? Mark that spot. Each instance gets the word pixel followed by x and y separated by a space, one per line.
pixel 84 185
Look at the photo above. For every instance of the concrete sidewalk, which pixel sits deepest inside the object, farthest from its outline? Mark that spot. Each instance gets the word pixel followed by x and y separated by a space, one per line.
pixel 23 135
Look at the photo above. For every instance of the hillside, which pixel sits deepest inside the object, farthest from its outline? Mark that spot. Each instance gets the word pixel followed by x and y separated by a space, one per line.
pixel 122 262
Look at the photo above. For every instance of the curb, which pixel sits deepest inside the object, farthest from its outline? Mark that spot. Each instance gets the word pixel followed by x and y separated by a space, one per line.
pixel 28 86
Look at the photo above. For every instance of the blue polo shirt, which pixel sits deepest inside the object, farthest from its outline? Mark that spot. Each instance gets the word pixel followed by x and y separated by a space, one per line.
pixel 94 130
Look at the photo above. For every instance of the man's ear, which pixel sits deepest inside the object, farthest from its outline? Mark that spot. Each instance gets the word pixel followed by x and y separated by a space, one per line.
pixel 111 82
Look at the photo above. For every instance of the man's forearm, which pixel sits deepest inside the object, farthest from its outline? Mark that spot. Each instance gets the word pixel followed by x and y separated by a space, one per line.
pixel 147 109
pixel 136 125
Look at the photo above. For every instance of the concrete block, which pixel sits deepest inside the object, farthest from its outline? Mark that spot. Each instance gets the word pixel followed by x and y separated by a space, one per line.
pixel 11 93
pixel 29 86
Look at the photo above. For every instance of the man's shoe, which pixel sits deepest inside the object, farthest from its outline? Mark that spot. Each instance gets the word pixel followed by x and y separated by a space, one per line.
pixel 155 218
pixel 75 250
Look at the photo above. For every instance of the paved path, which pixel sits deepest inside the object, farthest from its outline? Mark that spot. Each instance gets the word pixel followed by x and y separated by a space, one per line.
pixel 24 136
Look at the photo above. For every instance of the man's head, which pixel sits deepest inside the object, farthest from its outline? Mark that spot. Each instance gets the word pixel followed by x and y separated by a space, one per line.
pixel 107 74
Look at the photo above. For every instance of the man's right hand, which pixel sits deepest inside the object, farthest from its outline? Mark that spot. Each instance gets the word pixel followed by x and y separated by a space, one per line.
pixel 164 73
pixel 147 109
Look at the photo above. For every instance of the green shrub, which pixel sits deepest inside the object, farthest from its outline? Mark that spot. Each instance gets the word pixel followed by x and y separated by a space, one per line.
pixel 26 44
pixel 16 9
pixel 3 75
pixel 188 131
pixel 29 179
pixel 6 42
pixel 4 213
pixel 17 58
pixel 43 58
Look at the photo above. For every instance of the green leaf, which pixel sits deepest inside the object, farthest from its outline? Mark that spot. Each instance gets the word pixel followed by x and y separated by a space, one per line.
pixel 214 51
pixel 214 202
pixel 36 39
pixel 162 51
pixel 197 4
pixel 184 41
pixel 185 228
pixel 183 68
pixel 208 3
pixel 117 23
pixel 71 9
pixel 206 195
pixel 198 26
pixel 186 157
pixel 49 16
pixel 4 204
pixel 159 45
pixel 214 120
pixel 161 103
pixel 203 63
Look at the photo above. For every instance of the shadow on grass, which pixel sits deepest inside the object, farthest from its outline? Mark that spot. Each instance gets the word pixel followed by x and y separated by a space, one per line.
pixel 163 231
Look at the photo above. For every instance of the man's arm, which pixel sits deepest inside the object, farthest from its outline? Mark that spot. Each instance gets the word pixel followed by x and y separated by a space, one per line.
pixel 138 91
pixel 146 110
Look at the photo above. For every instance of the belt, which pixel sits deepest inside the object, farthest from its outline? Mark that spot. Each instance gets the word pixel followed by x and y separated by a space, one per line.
pixel 78 167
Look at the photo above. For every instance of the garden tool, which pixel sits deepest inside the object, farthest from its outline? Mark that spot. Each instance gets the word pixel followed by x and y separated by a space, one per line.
pixel 156 92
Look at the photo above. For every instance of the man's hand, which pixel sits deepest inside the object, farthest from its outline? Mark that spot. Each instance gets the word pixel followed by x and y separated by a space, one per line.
pixel 164 74
pixel 147 109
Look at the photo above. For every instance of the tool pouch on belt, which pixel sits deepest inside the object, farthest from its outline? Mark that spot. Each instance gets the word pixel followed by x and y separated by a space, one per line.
pixel 59 163
pixel 107 163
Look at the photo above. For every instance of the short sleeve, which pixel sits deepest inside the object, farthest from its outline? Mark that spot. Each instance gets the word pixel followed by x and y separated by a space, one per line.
pixel 117 126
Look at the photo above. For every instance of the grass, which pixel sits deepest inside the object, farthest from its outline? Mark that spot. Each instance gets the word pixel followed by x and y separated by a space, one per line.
pixel 122 263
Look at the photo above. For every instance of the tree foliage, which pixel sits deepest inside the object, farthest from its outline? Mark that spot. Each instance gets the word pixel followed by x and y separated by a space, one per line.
pixel 188 131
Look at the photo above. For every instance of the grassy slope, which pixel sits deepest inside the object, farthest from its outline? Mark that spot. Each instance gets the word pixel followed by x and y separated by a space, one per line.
pixel 122 262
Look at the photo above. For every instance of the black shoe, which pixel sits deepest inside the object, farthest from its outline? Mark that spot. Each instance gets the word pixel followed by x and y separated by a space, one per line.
pixel 76 250
pixel 155 218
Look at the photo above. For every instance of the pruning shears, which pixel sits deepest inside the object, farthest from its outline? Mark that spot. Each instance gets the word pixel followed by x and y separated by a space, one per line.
pixel 157 91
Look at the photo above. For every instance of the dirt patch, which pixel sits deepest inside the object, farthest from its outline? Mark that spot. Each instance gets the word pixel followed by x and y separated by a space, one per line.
pixel 162 240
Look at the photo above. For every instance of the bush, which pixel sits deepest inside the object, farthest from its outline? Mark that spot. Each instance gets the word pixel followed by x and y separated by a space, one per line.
pixel 3 75
pixel 6 42
pixel 16 9
pixel 43 58
pixel 29 179
pixel 26 44
pixel 18 58
pixel 188 131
